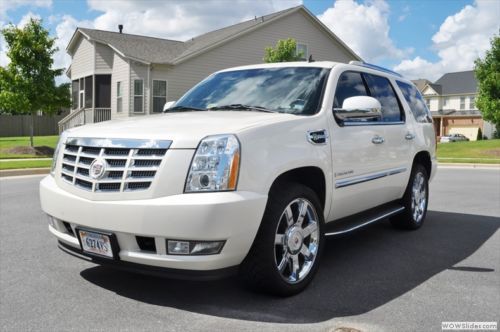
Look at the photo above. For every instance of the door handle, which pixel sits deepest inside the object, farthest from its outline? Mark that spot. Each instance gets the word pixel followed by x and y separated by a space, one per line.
pixel 378 140
pixel 409 136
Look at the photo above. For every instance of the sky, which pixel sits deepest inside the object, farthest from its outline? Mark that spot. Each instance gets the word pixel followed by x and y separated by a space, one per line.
pixel 419 39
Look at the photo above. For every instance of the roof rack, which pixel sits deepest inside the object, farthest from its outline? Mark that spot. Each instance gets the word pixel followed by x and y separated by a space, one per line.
pixel 369 65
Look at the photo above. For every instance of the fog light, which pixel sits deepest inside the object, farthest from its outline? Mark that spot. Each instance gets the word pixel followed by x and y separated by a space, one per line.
pixel 194 247
pixel 178 247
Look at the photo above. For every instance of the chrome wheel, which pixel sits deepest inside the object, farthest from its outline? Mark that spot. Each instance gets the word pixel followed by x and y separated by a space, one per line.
pixel 296 240
pixel 418 197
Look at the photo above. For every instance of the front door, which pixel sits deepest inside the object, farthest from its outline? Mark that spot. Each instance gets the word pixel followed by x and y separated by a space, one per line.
pixel 366 155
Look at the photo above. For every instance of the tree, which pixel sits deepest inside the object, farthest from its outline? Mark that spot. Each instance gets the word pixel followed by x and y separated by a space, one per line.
pixel 27 83
pixel 284 51
pixel 487 72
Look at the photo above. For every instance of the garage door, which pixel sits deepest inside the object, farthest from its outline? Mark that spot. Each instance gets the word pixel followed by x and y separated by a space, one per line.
pixel 469 132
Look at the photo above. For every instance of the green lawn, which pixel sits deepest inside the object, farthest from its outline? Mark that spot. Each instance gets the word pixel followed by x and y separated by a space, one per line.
pixel 478 152
pixel 7 143
pixel 24 164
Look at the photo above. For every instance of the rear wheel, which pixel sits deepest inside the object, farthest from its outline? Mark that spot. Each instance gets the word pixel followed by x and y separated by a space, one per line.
pixel 415 200
pixel 286 251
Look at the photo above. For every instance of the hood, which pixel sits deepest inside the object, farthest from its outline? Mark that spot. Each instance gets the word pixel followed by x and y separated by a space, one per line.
pixel 185 130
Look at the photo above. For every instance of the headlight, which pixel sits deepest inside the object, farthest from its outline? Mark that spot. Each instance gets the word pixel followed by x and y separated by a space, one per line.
pixel 62 140
pixel 215 165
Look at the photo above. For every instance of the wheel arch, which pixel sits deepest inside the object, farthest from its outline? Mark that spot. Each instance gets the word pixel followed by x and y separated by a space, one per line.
pixel 423 158
pixel 310 176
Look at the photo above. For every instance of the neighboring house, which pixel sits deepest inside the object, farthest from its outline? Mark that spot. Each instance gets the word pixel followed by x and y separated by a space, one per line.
pixel 451 100
pixel 118 75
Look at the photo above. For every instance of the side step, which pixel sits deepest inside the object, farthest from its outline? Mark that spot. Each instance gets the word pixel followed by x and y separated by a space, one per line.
pixel 362 219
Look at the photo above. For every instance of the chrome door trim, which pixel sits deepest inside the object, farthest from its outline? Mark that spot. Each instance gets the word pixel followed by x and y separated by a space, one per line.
pixel 368 177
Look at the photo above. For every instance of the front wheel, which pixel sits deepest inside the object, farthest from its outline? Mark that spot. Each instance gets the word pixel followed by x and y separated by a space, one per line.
pixel 286 251
pixel 415 200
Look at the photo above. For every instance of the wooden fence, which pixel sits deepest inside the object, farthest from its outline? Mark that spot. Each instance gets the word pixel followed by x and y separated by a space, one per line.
pixel 19 125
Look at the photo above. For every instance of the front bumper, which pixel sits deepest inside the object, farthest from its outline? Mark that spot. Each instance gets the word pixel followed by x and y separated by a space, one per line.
pixel 230 216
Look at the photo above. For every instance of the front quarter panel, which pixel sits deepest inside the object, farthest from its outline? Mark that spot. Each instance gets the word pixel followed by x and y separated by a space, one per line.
pixel 269 151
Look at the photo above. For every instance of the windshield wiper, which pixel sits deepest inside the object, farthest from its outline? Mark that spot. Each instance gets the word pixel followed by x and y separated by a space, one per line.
pixel 235 107
pixel 181 108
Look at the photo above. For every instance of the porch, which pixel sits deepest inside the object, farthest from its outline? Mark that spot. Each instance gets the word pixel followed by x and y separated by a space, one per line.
pixel 91 96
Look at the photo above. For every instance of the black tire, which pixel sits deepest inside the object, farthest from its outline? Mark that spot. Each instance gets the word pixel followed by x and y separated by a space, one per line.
pixel 260 268
pixel 410 218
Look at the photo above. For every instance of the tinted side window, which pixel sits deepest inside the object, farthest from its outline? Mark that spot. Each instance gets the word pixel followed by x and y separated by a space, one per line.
pixel 382 90
pixel 415 101
pixel 350 84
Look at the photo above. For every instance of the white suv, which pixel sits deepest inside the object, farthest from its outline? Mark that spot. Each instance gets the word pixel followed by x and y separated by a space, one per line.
pixel 248 171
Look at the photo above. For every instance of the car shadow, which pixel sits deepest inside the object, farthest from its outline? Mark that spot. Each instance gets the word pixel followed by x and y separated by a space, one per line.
pixel 358 273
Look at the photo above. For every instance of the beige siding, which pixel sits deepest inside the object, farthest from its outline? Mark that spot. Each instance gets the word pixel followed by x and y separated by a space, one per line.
pixel 103 59
pixel 249 49
pixel 139 71
pixel 82 63
pixel 121 73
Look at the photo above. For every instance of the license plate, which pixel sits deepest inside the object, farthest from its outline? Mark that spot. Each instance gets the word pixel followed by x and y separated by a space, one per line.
pixel 96 243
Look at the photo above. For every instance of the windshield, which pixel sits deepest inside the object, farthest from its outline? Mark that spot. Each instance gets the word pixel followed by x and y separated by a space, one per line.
pixel 294 90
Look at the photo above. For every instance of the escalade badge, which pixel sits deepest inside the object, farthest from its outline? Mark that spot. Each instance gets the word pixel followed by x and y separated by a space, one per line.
pixel 98 168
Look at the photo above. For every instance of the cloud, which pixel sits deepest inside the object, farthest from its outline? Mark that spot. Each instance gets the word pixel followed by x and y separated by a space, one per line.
pixel 462 38
pixel 406 11
pixel 13 4
pixel 365 28
pixel 179 19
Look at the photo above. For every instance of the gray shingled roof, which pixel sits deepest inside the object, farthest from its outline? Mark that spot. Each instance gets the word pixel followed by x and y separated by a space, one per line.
pixel 149 49
pixel 436 87
pixel 458 83
pixel 157 50
pixel 421 83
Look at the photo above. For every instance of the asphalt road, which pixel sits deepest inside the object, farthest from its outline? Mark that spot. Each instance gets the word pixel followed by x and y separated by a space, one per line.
pixel 377 279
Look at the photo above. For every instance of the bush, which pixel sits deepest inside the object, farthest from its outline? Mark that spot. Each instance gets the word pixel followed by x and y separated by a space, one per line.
pixel 479 134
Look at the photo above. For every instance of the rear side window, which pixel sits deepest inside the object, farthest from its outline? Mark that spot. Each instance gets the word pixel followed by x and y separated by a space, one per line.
pixel 416 102
pixel 350 84
pixel 381 89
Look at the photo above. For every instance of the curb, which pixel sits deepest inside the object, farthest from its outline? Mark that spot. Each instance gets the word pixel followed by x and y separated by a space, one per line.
pixel 23 171
pixel 465 165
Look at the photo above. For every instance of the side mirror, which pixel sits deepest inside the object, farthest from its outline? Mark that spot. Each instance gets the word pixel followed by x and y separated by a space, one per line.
pixel 168 104
pixel 359 109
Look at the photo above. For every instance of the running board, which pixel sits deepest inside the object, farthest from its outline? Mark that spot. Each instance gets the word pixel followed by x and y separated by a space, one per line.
pixel 359 220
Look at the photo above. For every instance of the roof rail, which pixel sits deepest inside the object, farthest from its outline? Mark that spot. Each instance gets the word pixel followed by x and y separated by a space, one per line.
pixel 369 65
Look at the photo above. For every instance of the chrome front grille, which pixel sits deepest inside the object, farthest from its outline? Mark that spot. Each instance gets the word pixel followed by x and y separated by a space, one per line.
pixel 128 165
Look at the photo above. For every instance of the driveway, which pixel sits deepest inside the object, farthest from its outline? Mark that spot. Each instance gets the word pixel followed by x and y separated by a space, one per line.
pixel 375 279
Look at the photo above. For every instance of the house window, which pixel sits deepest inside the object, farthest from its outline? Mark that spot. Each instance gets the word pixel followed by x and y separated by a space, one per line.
pixel 302 51
pixel 159 95
pixel 119 97
pixel 472 103
pixel 428 103
pixel 138 96
pixel 445 102
pixel 462 103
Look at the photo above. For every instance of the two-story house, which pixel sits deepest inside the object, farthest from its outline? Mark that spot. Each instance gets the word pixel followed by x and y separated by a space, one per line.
pixel 115 75
pixel 451 100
